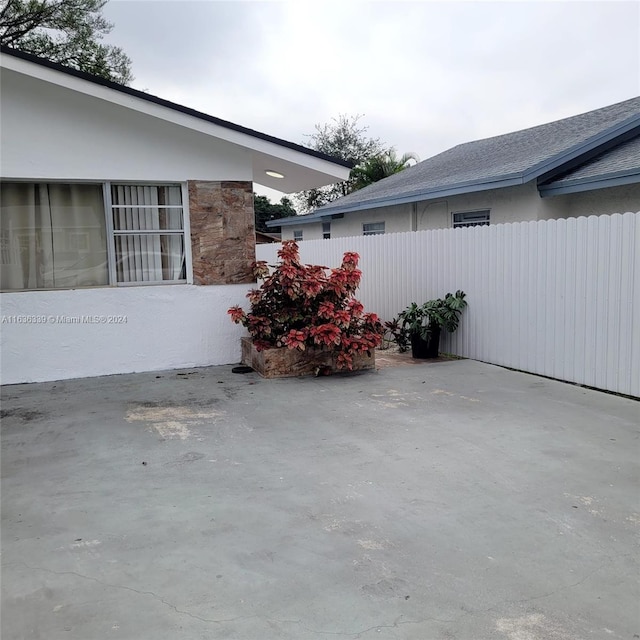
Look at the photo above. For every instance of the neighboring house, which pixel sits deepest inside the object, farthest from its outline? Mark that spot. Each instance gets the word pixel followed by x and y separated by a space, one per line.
pixel 126 224
pixel 267 238
pixel 586 164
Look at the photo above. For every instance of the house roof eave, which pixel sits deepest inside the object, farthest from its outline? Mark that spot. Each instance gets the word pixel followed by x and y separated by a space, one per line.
pixel 618 179
pixel 419 196
pixel 571 158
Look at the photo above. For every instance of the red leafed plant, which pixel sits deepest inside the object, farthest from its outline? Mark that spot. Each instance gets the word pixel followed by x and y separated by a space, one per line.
pixel 300 306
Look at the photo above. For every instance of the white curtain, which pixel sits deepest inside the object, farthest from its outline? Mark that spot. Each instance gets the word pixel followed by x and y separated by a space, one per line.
pixel 152 255
pixel 51 236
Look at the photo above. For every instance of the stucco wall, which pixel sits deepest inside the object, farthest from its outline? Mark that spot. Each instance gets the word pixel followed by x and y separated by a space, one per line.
pixel 587 203
pixel 152 328
pixel 53 133
pixel 396 218
pixel 309 232
pixel 512 204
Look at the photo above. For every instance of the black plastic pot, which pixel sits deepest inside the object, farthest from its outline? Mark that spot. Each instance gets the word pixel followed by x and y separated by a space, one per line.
pixel 423 349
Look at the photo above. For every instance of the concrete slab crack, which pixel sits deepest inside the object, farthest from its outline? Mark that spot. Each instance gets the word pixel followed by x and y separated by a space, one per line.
pixel 396 623
pixel 559 589
pixel 138 591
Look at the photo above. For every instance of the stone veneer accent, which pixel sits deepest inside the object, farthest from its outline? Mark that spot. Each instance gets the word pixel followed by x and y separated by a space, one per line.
pixel 222 231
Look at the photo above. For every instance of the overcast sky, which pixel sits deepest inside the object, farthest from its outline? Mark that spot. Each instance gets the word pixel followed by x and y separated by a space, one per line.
pixel 425 75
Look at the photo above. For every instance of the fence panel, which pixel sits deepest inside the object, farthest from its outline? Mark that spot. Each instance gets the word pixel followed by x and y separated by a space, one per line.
pixel 560 298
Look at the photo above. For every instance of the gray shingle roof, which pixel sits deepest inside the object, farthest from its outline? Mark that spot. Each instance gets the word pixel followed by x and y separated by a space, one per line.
pixel 512 158
pixel 624 159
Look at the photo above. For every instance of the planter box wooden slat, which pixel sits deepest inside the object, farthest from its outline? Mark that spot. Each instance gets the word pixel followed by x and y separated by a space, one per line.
pixel 287 363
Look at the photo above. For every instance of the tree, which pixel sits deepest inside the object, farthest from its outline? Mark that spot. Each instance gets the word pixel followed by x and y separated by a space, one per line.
pixel 341 138
pixel 379 167
pixel 67 32
pixel 265 211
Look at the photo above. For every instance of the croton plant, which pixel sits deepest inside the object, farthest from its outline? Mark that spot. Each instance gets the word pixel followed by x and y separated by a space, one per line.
pixel 300 306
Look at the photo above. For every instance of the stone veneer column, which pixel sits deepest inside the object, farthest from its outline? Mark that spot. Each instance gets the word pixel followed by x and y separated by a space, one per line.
pixel 222 232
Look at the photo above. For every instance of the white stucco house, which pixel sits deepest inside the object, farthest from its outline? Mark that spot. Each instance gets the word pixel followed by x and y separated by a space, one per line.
pixel 126 224
pixel 583 165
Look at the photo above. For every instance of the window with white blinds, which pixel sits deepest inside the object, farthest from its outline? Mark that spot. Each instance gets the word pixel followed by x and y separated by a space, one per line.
pixel 373 228
pixel 471 218
pixel 148 233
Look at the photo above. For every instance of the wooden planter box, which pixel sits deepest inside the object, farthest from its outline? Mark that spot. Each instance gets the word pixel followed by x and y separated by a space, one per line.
pixel 287 363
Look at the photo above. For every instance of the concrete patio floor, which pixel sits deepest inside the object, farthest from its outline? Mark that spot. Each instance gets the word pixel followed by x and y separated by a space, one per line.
pixel 449 500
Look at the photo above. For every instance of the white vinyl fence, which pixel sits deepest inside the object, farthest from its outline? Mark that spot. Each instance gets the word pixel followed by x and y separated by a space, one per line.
pixel 560 298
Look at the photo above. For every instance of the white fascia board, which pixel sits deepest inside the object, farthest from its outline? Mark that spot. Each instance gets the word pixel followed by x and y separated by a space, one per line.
pixel 265 152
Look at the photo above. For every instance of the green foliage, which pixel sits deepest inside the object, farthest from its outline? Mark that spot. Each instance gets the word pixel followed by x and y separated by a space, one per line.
pixel 67 32
pixel 265 210
pixel 379 167
pixel 342 138
pixel 443 313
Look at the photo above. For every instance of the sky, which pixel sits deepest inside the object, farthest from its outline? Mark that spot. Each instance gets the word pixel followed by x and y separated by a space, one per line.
pixel 424 76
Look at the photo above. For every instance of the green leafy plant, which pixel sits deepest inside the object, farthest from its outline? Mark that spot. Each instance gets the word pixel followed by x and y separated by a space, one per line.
pixel 309 306
pixel 445 312
pixel 423 320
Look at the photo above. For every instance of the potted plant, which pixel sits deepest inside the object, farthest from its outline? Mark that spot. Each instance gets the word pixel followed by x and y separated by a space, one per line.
pixel 421 325
pixel 311 310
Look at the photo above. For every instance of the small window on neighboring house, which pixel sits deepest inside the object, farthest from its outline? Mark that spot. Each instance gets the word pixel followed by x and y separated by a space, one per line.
pixel 373 228
pixel 326 230
pixel 297 235
pixel 471 218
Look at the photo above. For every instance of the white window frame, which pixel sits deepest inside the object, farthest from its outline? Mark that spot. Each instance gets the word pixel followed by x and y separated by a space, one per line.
pixel 112 233
pixel 473 219
pixel 369 228
pixel 186 228
pixel 297 232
